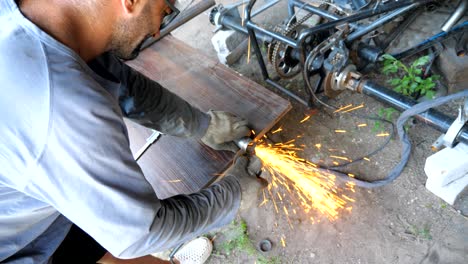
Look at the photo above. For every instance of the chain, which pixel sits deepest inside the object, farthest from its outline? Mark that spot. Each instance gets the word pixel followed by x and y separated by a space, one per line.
pixel 276 46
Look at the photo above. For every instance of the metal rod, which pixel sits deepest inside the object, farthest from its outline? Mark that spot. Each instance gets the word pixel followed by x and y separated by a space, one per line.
pixel 181 19
pixel 433 118
pixel 379 22
pixel 452 20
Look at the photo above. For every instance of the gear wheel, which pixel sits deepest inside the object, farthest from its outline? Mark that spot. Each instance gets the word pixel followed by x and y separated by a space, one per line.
pixel 280 55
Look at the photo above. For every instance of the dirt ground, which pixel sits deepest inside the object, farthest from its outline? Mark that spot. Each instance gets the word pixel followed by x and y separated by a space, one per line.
pixel 402 222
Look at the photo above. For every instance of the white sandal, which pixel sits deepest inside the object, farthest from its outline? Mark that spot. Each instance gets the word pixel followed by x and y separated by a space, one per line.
pixel 196 251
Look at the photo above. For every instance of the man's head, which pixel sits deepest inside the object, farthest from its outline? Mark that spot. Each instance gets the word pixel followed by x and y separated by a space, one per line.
pixel 136 21
pixel 92 27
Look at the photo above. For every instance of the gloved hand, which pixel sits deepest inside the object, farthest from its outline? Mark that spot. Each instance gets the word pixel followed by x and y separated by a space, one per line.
pixel 247 171
pixel 224 127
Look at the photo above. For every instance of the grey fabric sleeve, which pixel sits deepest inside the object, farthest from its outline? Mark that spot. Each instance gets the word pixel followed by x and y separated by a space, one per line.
pixel 149 104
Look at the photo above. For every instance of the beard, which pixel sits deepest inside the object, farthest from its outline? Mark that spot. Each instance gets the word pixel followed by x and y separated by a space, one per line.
pixel 127 33
pixel 123 54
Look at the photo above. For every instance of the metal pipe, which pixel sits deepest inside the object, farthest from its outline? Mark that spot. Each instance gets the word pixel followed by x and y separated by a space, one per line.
pixel 235 24
pixel 452 20
pixel 433 118
pixel 379 22
pixel 181 19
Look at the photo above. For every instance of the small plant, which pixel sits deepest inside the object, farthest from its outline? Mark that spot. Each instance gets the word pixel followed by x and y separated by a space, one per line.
pixel 384 113
pixel 238 239
pixel 410 84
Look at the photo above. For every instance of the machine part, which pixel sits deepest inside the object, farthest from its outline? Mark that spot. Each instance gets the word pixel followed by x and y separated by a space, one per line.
pixel 453 19
pixel 450 137
pixel 284 58
pixel 368 52
pixel 297 48
pixel 149 141
pixel 181 19
pixel 349 79
pixel 338 58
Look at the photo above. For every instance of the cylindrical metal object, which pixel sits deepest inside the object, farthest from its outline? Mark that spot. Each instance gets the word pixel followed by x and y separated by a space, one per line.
pixel 243 143
pixel 181 19
pixel 452 20
pixel 235 24
pixel 368 53
pixel 379 22
pixel 433 118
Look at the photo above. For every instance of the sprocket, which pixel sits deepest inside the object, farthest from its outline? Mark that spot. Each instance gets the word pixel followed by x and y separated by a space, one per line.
pixel 280 54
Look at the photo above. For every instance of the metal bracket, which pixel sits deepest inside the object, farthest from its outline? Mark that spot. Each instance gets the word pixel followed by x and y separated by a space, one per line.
pixel 449 139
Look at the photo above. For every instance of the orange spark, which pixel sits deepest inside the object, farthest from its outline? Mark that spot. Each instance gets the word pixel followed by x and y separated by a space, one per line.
pixel 340 131
pixel 283 242
pixel 354 108
pixel 367 159
pixel 342 108
pixel 351 175
pixel 383 134
pixel 265 200
pixel 339 157
pixel 362 125
pixel 277 130
pixel 305 119
pixel 318 145
pixel 313 187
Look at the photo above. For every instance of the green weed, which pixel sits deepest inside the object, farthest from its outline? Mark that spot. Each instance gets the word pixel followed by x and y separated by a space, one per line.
pixel 409 81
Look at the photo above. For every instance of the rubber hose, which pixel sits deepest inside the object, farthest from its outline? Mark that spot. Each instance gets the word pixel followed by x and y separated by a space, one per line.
pixel 404 139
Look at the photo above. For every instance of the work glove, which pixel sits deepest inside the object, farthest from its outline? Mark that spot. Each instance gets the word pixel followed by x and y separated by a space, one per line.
pixel 224 127
pixel 248 171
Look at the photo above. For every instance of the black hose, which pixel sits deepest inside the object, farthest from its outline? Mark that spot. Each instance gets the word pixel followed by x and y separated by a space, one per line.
pixel 404 139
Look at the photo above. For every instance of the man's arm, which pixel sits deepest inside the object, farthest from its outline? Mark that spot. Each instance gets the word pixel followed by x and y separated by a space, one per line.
pixel 148 103
pixel 88 174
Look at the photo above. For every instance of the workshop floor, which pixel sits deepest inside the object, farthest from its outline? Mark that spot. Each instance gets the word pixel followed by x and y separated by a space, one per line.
pixel 399 223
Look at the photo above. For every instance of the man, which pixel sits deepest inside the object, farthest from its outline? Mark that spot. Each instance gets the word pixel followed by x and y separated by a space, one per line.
pixel 65 157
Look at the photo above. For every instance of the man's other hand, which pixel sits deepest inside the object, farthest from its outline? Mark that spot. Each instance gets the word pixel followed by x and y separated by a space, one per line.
pixel 225 127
